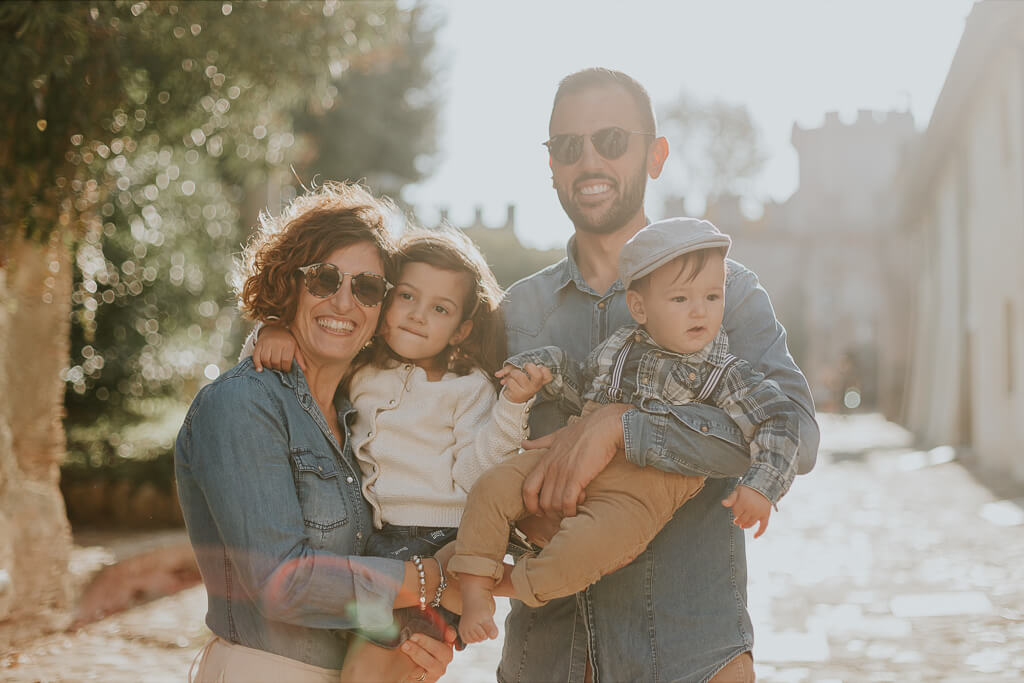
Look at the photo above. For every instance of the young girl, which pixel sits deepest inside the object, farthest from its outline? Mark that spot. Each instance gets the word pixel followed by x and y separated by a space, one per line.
pixel 428 421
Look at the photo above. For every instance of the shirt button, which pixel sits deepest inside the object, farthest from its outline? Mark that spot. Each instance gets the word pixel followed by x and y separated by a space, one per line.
pixel 359 535
pixel 693 375
pixel 391 402
pixel 369 434
pixel 349 479
pixel 320 467
pixel 704 428
pixel 638 337
pixel 600 305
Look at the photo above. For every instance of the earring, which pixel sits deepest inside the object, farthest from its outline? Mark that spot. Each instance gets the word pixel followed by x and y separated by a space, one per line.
pixel 368 344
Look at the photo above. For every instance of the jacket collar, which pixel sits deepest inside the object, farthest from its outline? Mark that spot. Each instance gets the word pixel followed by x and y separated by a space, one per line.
pixel 570 272
pixel 295 380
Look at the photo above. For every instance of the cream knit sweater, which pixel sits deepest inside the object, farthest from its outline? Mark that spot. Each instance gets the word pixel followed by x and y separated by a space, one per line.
pixel 421 445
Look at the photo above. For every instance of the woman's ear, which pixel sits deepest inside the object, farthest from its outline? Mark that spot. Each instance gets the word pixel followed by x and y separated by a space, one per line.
pixel 461 332
pixel 635 304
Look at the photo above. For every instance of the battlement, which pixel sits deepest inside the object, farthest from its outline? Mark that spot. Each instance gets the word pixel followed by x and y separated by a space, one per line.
pixel 478 219
pixel 881 125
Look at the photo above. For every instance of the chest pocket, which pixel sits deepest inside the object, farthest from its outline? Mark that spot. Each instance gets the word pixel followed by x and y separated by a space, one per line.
pixel 318 482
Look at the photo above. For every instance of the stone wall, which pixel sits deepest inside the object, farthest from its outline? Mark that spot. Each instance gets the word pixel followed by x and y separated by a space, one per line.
pixel 35 538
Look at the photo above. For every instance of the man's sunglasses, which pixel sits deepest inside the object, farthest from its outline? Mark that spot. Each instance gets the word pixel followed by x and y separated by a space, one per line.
pixel 324 279
pixel 611 143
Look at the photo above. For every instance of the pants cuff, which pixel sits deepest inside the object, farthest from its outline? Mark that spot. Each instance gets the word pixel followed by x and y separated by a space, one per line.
pixel 477 566
pixel 521 585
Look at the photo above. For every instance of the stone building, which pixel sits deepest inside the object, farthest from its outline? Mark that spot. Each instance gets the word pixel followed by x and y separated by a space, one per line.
pixel 505 254
pixel 960 203
pixel 828 259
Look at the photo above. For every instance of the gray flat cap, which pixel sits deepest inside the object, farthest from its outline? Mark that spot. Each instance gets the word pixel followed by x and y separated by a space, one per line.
pixel 664 240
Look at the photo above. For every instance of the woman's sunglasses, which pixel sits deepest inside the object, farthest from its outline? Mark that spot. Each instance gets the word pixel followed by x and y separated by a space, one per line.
pixel 611 143
pixel 324 279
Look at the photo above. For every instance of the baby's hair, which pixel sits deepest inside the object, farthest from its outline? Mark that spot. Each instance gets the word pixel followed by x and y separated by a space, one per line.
pixel 450 249
pixel 690 264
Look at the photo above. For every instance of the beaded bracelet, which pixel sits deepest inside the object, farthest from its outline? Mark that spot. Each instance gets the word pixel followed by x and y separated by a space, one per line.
pixel 418 562
pixel 440 587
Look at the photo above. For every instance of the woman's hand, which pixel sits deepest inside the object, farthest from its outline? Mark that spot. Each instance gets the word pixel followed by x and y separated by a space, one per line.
pixel 430 656
pixel 275 348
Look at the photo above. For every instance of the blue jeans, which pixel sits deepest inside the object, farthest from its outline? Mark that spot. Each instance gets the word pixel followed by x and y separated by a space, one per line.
pixel 401 543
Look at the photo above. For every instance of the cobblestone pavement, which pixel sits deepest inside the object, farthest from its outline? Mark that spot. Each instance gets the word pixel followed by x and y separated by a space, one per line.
pixel 884 564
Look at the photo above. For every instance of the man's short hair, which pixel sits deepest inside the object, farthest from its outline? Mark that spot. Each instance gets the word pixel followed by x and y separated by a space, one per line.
pixel 599 77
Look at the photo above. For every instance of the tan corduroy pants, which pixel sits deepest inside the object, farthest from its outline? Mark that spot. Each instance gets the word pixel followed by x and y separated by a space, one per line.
pixel 625 507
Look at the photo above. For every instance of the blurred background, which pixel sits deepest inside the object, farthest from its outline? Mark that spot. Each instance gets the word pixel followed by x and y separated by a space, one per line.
pixel 866 157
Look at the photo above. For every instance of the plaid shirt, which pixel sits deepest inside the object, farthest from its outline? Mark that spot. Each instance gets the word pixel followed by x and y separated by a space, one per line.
pixel 652 377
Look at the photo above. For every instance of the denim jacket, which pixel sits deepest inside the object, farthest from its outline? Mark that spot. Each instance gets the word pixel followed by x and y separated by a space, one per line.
pixel 678 611
pixel 630 367
pixel 276 518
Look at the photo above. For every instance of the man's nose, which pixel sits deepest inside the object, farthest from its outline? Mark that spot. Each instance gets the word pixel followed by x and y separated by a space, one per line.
pixel 590 158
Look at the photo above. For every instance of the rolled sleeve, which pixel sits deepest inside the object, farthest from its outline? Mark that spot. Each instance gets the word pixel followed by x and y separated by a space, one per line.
pixel 770 424
pixel 756 336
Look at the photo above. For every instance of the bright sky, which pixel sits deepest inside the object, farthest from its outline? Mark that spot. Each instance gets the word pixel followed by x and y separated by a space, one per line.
pixel 786 60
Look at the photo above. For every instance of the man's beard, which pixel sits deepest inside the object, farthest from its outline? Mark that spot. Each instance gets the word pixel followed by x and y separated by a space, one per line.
pixel 627 205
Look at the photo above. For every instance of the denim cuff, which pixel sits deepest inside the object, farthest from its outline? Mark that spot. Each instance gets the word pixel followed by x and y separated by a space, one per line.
pixel 376 581
pixel 638 429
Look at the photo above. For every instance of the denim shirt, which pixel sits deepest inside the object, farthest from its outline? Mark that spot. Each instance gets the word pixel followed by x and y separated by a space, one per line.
pixel 630 367
pixel 678 611
pixel 276 518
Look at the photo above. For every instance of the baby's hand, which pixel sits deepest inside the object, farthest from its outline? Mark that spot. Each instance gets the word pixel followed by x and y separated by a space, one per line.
pixel 275 348
pixel 521 385
pixel 749 507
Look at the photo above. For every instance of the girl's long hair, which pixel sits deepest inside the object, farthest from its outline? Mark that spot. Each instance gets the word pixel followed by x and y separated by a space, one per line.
pixel 450 249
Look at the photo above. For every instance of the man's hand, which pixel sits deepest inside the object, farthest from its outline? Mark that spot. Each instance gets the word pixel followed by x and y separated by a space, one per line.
pixel 749 507
pixel 576 454
pixel 275 348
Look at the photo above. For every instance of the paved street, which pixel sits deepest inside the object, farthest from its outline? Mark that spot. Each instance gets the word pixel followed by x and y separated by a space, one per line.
pixel 884 564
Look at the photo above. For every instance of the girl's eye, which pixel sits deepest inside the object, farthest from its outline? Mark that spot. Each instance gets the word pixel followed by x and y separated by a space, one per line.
pixel 679 299
pixel 405 295
pixel 713 297
pixel 441 309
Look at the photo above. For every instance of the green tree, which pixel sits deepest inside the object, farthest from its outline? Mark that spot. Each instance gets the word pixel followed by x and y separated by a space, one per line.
pixel 141 130
pixel 380 124
pixel 716 145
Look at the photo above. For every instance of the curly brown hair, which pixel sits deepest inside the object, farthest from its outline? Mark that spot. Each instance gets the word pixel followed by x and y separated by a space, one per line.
pixel 450 249
pixel 311 227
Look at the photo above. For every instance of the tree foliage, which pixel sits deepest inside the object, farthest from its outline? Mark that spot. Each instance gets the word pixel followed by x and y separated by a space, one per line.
pixel 717 145
pixel 145 131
